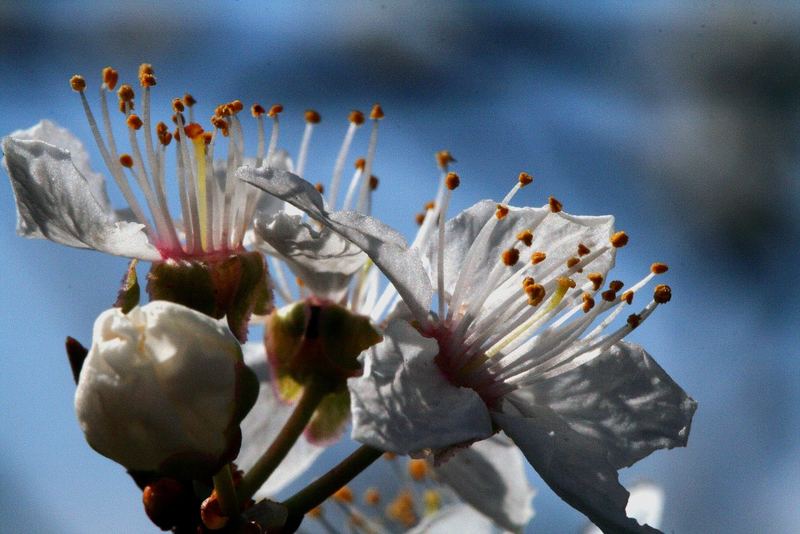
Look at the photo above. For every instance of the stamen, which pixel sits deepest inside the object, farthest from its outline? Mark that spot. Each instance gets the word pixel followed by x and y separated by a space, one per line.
pixel 525 179
pixel 538 257
pixel 555 205
pixel 356 119
pixel 583 250
pixel 258 112
pixel 619 239
pixel 627 297
pixel 126 161
pixel 452 181
pixel 273 113
pixel 444 159
pixel 662 294
pixel 510 257
pixel 110 77
pixel 189 102
pixel 501 212
pixel 588 302
pixel 634 320
pixel 659 268
pixel 312 118
pixel 376 115
pixel 417 469
pixel 354 182
pixel 596 279
pixel 525 236
pixel 616 285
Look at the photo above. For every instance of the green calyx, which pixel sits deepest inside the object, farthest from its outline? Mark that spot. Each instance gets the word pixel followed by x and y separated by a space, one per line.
pixel 234 286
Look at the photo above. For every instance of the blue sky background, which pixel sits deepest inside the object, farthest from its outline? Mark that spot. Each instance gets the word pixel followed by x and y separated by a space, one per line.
pixel 679 118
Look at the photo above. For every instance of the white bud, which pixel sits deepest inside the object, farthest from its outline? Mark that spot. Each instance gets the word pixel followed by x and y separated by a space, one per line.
pixel 158 389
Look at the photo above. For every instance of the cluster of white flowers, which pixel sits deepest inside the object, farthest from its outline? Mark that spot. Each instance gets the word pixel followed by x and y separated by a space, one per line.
pixel 521 359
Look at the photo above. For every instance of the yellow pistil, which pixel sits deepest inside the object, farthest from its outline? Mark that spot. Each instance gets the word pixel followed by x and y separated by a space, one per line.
pixel 202 208
pixel 563 285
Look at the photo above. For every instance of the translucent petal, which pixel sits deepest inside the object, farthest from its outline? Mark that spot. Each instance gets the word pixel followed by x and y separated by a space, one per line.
pixel 490 476
pixel 624 400
pixel 55 135
pixel 404 404
pixel 573 465
pixel 323 260
pixel 387 249
pixel 454 518
pixel 55 202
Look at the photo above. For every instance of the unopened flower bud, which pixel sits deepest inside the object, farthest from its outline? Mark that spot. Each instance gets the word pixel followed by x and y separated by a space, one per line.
pixel 163 390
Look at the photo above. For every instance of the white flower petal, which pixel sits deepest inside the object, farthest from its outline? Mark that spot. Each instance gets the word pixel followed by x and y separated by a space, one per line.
pixel 387 248
pixel 624 400
pixel 263 424
pixel 573 465
pixel 455 518
pixel 404 404
pixel 556 234
pixel 323 260
pixel 646 505
pixel 55 135
pixel 490 476
pixel 55 202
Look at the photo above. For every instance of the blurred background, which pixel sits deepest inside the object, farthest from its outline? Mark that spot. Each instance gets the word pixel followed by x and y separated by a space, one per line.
pixel 679 118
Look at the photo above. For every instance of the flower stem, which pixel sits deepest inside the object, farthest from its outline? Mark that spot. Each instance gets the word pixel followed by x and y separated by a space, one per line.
pixel 226 492
pixel 315 493
pixel 313 393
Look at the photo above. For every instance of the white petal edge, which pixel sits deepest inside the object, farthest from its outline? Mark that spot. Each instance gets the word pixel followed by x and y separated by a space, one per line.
pixel 454 518
pixel 646 505
pixel 574 466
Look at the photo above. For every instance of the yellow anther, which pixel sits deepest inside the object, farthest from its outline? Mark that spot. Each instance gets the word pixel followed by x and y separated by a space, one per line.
pixel 619 239
pixel 146 75
pixel 583 250
pixel 193 130
pixel 417 469
pixel 319 187
pixel 536 294
pixel 609 295
pixel 527 281
pixel 627 296
pixel 444 158
pixel 126 160
pixel 274 111
pixel 596 279
pixel 452 181
pixel 188 100
pixel 419 218
pixel 659 268
pixel 372 496
pixel 555 205
pixel 572 262
pixel 360 164
pixel 588 302
pixel 634 320
pixel 78 83
pixel 236 106
pixel 525 179
pixel 343 494
pixel 510 257
pixel 662 294
pixel 125 93
pixel 501 212
pixel 616 285
pixel 110 78
pixel 356 117
pixel 432 500
pixel 401 509
pixel 177 105
pixel 538 257
pixel 133 121
pixel 376 113
pixel 566 283
pixel 525 236
pixel 429 205
pixel 312 116
pixel 257 110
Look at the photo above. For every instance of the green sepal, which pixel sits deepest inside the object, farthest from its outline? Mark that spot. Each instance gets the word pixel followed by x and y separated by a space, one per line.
pixel 234 286
pixel 129 291
pixel 330 418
